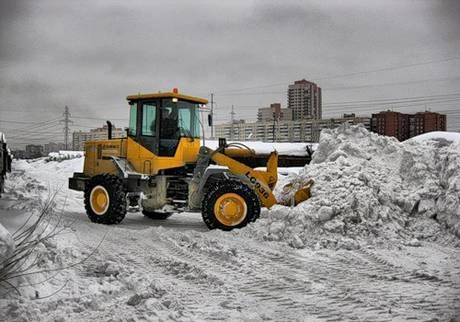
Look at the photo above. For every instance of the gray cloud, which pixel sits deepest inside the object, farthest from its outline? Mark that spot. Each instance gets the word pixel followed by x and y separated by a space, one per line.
pixel 91 54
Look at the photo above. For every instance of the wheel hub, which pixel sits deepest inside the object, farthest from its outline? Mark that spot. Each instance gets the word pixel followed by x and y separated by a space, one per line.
pixel 230 209
pixel 99 200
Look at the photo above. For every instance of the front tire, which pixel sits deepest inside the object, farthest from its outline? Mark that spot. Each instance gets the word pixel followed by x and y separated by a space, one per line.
pixel 229 204
pixel 105 199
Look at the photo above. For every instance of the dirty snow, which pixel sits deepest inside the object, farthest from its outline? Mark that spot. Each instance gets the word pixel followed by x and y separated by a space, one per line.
pixel 373 188
pixel 376 242
pixel 64 155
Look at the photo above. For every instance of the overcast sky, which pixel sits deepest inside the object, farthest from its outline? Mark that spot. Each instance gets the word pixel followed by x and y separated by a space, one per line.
pixel 91 54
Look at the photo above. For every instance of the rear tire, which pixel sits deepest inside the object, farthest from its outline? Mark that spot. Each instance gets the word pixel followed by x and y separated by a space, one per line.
pixel 156 215
pixel 105 199
pixel 229 204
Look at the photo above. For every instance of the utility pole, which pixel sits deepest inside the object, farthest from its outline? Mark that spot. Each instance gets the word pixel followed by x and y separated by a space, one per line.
pixel 232 113
pixel 212 115
pixel 66 121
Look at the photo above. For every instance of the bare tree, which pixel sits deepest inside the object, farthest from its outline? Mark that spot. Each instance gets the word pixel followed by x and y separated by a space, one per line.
pixel 24 260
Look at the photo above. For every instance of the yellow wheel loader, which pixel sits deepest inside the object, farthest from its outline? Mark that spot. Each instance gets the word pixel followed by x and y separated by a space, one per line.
pixel 162 168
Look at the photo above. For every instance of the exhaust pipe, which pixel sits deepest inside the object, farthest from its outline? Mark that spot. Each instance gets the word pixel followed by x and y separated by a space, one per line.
pixel 109 130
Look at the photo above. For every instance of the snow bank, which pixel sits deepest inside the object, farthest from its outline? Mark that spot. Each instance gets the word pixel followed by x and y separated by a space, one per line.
pixel 372 187
pixel 34 182
pixel 64 155
pixel 437 135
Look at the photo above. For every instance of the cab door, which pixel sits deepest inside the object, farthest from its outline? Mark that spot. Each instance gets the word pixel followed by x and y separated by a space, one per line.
pixel 148 125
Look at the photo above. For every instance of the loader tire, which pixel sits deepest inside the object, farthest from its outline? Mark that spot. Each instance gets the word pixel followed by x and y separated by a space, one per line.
pixel 156 215
pixel 229 204
pixel 105 199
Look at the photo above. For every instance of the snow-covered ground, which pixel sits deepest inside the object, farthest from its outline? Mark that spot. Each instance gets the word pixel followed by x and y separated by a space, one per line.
pixel 378 241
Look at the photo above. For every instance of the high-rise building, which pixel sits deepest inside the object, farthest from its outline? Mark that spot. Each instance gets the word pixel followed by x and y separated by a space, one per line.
pixel 274 112
pixel 404 126
pixel 304 99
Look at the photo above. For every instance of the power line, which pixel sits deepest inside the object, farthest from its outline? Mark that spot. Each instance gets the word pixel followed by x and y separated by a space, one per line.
pixel 390 68
pixel 36 125
pixel 85 126
pixel 346 87
pixel 398 99
pixel 98 119
pixel 44 131
pixel 18 122
pixel 390 84
pixel 347 74
pixel 29 133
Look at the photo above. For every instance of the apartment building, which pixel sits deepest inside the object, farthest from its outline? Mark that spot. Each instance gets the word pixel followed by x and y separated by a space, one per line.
pixel 284 131
pixel 304 99
pixel 274 113
pixel 404 126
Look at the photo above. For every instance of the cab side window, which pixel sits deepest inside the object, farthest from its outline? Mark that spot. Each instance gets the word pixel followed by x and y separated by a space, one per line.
pixel 149 119
pixel 132 119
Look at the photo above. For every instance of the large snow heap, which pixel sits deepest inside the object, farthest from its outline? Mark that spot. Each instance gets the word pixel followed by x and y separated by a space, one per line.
pixel 372 187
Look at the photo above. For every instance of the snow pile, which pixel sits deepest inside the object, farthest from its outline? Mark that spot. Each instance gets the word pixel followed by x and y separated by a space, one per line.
pixel 372 187
pixel 64 155
pixel 437 135
pixel 34 182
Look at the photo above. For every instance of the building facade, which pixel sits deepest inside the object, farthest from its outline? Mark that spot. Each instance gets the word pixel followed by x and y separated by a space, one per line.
pixel 404 126
pixel 33 151
pixel 391 124
pixel 304 99
pixel 283 131
pixel 80 137
pixel 423 122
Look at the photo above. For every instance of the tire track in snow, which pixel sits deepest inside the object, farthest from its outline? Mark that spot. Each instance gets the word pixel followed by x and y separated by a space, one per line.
pixel 360 286
pixel 286 296
pixel 198 290
pixel 247 281
pixel 397 272
pixel 357 287
pixel 225 277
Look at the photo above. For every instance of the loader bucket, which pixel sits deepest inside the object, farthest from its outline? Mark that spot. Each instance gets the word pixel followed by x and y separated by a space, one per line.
pixel 296 192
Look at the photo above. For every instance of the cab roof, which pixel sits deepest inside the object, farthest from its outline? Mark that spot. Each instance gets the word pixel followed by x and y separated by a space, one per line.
pixel 194 99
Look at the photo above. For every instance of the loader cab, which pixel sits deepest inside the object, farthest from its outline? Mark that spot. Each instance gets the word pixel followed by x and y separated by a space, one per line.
pixel 160 121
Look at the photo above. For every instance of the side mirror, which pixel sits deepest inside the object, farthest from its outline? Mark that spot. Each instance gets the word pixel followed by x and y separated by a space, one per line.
pixel 209 119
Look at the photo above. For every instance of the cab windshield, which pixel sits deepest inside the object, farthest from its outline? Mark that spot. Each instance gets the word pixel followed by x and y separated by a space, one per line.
pixel 186 114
